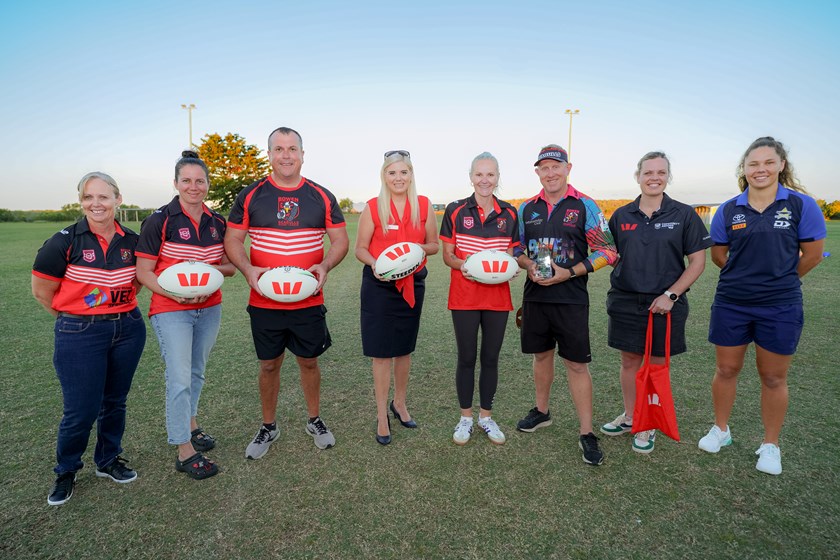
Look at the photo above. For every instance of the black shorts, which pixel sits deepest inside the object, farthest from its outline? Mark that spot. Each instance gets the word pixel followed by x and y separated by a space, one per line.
pixel 628 319
pixel 564 325
pixel 303 331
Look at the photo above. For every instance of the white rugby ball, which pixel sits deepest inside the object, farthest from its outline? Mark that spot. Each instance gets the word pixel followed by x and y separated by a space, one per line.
pixel 399 260
pixel 287 284
pixel 189 279
pixel 491 266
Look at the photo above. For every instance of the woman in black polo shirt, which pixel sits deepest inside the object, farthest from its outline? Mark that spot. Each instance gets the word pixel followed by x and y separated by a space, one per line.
pixel 654 234
pixel 185 229
pixel 84 276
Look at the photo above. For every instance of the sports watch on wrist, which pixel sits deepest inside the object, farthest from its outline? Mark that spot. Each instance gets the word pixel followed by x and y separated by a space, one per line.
pixel 671 295
pixel 572 272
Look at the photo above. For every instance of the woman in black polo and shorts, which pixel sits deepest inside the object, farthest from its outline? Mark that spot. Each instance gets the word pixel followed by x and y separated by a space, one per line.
pixel 470 225
pixel 654 234
pixel 390 311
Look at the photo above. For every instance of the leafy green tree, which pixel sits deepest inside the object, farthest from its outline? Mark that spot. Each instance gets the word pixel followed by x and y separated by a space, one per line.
pixel 233 164
pixel 346 205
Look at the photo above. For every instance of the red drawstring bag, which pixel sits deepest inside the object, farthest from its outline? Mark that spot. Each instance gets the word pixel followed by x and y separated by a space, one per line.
pixel 654 402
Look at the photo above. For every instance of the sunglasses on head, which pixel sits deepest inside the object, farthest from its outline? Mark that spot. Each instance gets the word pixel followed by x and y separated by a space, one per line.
pixel 403 153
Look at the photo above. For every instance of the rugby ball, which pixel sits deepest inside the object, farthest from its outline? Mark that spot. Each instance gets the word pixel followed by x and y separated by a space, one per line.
pixel 189 279
pixel 491 266
pixel 287 284
pixel 399 260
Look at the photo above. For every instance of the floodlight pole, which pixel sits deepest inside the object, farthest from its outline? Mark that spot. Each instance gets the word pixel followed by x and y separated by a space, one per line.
pixel 571 115
pixel 189 109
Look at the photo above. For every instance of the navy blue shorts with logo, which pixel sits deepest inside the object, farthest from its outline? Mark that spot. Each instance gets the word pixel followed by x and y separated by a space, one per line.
pixel 303 331
pixel 776 328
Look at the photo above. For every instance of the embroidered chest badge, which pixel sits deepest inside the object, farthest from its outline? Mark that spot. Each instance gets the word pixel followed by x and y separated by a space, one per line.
pixel 184 233
pixel 125 255
pixel 88 255
pixel 571 217
pixel 469 222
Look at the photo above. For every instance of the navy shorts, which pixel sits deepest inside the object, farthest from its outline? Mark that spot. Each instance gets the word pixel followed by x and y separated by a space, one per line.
pixel 776 328
pixel 566 326
pixel 303 331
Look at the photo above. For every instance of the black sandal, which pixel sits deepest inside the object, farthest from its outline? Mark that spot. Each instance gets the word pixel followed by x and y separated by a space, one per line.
pixel 202 441
pixel 198 467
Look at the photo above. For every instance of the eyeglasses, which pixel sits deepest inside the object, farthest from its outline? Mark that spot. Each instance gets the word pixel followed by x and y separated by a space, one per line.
pixel 403 153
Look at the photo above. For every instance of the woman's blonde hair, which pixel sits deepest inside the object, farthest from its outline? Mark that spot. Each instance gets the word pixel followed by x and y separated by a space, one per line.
pixel 383 202
pixel 787 177
pixel 97 175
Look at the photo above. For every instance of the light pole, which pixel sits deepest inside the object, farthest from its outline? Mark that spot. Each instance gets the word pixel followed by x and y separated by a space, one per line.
pixel 189 109
pixel 571 115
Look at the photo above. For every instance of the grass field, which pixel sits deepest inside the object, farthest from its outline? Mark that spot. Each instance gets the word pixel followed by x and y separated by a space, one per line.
pixel 422 496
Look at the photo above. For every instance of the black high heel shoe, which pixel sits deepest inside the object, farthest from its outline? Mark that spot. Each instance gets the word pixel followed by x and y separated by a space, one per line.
pixel 384 440
pixel 409 424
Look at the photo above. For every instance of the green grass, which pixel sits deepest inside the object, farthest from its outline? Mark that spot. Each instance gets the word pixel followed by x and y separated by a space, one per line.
pixel 422 496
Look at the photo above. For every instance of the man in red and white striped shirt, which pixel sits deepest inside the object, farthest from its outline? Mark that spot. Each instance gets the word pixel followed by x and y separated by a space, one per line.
pixel 286 217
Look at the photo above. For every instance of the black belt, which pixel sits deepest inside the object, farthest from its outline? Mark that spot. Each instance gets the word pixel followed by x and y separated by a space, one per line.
pixel 94 318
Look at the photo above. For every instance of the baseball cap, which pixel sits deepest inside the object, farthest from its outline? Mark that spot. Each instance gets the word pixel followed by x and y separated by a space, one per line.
pixel 552 152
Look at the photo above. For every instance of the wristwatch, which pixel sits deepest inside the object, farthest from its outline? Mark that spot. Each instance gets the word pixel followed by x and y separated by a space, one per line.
pixel 672 296
pixel 572 272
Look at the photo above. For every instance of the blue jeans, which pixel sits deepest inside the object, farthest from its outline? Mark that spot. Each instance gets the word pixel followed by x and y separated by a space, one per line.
pixel 95 363
pixel 185 338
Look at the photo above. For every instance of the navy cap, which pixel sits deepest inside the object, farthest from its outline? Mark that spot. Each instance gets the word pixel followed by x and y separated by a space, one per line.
pixel 552 152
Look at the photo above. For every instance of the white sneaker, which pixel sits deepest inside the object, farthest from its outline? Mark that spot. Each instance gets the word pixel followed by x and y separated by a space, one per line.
pixel 643 442
pixel 463 430
pixel 715 439
pixel 492 430
pixel 769 459
pixel 621 425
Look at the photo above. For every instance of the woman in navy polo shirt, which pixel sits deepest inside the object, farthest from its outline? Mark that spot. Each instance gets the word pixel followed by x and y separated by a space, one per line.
pixel 186 328
pixel 84 276
pixel 654 235
pixel 766 239
pixel 474 224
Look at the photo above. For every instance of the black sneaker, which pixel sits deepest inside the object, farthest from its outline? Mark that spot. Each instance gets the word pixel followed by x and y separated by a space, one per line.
pixel 62 489
pixel 592 454
pixel 534 420
pixel 117 471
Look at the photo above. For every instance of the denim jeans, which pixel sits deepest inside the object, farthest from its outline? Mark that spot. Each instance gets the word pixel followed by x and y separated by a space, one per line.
pixel 95 363
pixel 185 338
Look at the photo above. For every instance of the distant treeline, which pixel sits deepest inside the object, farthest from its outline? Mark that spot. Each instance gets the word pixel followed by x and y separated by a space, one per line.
pixel 69 213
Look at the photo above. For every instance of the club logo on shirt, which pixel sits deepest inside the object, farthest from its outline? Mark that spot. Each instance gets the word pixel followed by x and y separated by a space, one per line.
pixel 468 222
pixel 571 217
pixel 782 217
pixel 184 233
pixel 125 255
pixel 501 224
pixel 288 210
pixel 88 255
pixel 214 233
pixel 629 227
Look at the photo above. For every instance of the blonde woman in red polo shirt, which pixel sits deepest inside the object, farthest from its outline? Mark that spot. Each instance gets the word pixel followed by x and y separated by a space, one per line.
pixel 474 224
pixel 390 311
pixel 84 275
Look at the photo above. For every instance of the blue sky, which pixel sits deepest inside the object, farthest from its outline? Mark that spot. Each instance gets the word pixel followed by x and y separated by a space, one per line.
pixel 99 86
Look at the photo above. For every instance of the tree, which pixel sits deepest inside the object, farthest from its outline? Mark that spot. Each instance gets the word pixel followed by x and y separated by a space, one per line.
pixel 233 164
pixel 346 205
pixel 831 210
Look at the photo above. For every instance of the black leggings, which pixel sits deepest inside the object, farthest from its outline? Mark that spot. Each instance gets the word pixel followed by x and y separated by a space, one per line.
pixel 493 324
